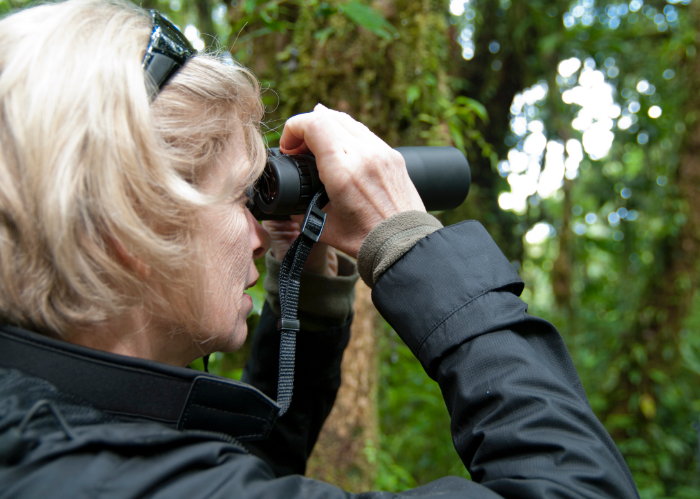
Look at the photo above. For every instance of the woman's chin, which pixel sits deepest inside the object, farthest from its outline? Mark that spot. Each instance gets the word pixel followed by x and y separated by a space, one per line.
pixel 247 305
pixel 239 336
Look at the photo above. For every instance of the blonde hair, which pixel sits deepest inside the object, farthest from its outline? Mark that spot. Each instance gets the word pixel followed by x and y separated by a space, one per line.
pixel 87 165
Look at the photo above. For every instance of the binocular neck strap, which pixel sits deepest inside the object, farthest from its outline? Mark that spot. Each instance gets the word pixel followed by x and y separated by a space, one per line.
pixel 289 285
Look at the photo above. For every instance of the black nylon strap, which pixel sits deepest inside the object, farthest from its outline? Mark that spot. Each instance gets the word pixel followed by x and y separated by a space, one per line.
pixel 289 285
pixel 138 389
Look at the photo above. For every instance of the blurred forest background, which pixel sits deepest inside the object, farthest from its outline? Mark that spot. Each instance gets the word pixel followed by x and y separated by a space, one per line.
pixel 581 122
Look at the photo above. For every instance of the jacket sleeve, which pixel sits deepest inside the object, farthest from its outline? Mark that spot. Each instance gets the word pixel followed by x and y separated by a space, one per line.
pixel 325 313
pixel 521 421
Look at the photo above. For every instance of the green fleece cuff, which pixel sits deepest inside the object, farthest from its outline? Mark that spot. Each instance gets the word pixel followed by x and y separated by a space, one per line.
pixel 323 301
pixel 390 240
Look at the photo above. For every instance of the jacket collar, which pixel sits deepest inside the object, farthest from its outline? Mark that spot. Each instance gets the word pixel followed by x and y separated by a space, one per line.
pixel 138 389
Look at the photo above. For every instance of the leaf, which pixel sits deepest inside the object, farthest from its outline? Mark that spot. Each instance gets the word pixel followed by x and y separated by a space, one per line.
pixel 249 6
pixel 475 106
pixel 550 43
pixel 521 29
pixel 647 404
pixel 323 34
pixel 412 94
pixel 690 351
pixel 368 18
pixel 265 17
pixel 457 138
pixel 428 119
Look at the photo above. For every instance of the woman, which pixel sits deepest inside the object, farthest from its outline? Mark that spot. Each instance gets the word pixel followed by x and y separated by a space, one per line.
pixel 126 244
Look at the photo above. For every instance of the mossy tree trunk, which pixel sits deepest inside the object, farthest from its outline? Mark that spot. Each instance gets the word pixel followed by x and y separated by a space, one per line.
pixel 393 79
pixel 340 455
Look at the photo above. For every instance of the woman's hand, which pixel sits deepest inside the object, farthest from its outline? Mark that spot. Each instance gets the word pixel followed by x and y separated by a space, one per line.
pixel 366 180
pixel 322 259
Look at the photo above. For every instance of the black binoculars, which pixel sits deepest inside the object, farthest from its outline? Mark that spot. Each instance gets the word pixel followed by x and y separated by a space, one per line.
pixel 289 182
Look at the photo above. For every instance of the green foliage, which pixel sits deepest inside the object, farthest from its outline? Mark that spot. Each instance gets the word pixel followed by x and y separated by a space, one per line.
pixel 613 286
pixel 454 123
pixel 391 476
pixel 626 311
pixel 368 18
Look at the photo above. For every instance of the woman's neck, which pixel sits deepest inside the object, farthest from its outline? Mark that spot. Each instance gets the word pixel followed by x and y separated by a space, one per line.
pixel 139 334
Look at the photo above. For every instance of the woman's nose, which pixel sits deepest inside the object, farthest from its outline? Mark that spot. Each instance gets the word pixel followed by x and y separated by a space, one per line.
pixel 259 238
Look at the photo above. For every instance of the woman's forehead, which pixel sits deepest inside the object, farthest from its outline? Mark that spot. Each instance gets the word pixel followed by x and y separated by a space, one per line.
pixel 232 168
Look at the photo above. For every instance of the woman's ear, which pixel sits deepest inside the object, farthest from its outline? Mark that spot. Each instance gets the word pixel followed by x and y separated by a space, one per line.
pixel 133 262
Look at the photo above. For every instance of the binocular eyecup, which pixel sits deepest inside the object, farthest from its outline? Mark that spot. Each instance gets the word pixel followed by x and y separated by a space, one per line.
pixel 289 182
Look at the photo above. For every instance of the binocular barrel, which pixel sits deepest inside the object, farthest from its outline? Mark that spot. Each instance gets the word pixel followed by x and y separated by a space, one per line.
pixel 441 176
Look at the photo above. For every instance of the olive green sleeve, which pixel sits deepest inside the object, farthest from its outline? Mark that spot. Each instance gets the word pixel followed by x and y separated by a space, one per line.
pixel 323 301
pixel 390 240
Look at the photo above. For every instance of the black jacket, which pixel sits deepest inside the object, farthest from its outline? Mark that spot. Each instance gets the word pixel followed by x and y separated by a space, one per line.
pixel 520 418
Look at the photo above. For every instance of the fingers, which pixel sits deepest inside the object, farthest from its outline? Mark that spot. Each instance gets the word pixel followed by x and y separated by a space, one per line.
pixel 292 140
pixel 280 226
pixel 356 129
pixel 321 260
pixel 365 179
pixel 319 132
pixel 282 235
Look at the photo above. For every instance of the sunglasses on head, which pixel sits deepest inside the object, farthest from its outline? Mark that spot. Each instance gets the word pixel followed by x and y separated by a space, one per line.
pixel 167 51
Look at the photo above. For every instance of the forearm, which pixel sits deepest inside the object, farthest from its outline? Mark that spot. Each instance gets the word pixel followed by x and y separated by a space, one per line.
pixel 520 418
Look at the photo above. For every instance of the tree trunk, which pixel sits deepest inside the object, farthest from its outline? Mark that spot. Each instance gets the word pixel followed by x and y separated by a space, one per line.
pixel 339 456
pixel 563 264
pixel 396 84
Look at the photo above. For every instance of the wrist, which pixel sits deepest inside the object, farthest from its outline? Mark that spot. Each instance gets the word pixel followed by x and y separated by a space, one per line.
pixel 390 240
pixel 322 260
pixel 323 301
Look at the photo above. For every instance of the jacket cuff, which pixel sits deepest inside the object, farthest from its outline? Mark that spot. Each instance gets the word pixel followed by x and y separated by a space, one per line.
pixel 439 295
pixel 390 240
pixel 324 301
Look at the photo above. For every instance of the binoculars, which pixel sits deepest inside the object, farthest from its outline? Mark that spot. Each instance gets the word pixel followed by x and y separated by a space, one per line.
pixel 289 182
